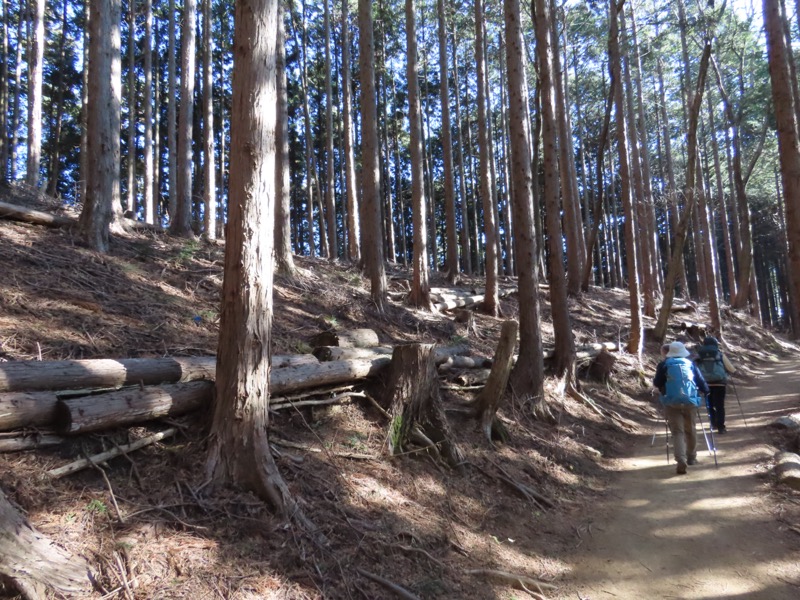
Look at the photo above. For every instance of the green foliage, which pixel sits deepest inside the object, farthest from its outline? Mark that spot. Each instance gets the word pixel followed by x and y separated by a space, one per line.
pixel 97 507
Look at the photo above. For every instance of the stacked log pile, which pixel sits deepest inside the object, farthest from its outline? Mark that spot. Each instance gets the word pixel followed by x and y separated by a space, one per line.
pixel 78 396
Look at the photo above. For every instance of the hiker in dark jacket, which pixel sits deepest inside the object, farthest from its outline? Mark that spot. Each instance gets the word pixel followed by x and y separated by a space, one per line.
pixel 715 367
pixel 680 383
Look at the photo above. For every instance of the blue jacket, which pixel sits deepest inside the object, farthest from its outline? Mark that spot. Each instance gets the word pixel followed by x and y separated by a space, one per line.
pixel 660 379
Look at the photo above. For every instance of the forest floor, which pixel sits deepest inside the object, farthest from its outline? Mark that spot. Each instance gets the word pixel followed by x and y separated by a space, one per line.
pixel 617 518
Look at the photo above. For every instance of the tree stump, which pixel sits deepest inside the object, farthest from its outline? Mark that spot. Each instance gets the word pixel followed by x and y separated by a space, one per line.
pixel 488 401
pixel 33 564
pixel 602 365
pixel 416 406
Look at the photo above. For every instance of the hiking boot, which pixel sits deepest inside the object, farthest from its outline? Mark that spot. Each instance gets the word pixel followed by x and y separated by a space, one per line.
pixel 722 430
pixel 692 461
pixel 681 470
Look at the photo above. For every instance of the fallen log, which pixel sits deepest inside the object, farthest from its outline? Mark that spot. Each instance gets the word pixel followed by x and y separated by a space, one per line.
pixel 139 403
pixel 352 338
pixel 465 362
pixel 26 409
pixel 33 564
pixel 134 405
pixel 34 217
pixel 83 463
pixel 327 373
pixel 31 375
pixel 281 361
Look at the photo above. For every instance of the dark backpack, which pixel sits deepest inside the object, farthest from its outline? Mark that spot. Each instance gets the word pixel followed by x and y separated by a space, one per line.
pixel 709 362
pixel 680 387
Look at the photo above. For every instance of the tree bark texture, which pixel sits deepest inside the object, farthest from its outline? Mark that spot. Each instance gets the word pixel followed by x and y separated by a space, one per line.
pixel 413 387
pixel 284 261
pixel 527 377
pixel 488 401
pixel 785 101
pixel 351 193
pixel 34 564
pixel 209 171
pixel 183 215
pixel 490 302
pixel 102 209
pixel 330 201
pixel 125 407
pixel 565 343
pixel 35 79
pixel 150 215
pixel 420 288
pixel 371 229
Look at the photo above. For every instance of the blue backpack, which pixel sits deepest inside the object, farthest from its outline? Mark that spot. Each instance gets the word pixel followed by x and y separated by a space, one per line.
pixel 680 387
pixel 710 363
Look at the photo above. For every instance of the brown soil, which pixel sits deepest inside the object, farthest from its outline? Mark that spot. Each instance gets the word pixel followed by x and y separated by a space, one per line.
pixel 407 519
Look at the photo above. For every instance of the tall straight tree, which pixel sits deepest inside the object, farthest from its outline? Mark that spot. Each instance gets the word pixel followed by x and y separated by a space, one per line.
pixel 35 78
pixel 635 340
pixel 330 200
pixel 101 210
pixel 420 289
pixel 149 171
pixel 284 262
pixel 239 451
pixel 4 92
pixel 371 229
pixel 527 378
pixel 564 353
pixel 172 117
pixel 676 256
pixel 451 256
pixel 182 224
pixel 490 298
pixel 130 158
pixel 466 245
pixel 785 100
pixel 351 193
pixel 209 173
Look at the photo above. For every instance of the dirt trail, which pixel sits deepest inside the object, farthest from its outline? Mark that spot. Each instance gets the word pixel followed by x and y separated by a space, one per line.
pixel 712 533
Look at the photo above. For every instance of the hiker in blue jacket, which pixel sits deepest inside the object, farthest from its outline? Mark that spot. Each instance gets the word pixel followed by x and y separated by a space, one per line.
pixel 680 383
pixel 715 367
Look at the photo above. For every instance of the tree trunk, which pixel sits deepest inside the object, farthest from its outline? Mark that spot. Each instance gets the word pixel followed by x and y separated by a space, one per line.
pixel 680 232
pixel 351 193
pixel 34 564
pixel 491 302
pixel 330 201
pixel 172 118
pixel 125 407
pixel 447 150
pixel 488 401
pixel 354 338
pixel 565 344
pixel 130 156
pixel 413 387
pixel 565 160
pixel 785 103
pixel 284 261
pixel 209 172
pixel 420 289
pixel 101 211
pixel 150 215
pixel 35 78
pixel 372 232
pixel 12 137
pixel 466 245
pixel 4 92
pixel 55 156
pixel 635 340
pixel 527 378
pixel 182 225
pixel 239 444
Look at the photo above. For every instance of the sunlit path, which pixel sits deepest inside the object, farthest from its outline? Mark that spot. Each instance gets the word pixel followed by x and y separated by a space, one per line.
pixel 709 534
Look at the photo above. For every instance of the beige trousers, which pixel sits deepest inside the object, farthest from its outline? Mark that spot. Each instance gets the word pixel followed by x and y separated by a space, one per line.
pixel 680 418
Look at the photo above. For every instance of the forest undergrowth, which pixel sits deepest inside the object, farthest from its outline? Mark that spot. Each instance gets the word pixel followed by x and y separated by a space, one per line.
pixel 438 533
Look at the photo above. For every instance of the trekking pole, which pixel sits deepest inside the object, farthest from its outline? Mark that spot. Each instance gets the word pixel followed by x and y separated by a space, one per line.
pixel 712 447
pixel 739 402
pixel 666 427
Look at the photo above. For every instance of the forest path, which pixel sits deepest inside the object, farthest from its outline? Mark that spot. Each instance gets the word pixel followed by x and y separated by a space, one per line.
pixel 713 533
